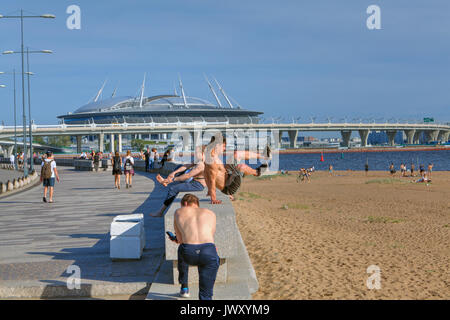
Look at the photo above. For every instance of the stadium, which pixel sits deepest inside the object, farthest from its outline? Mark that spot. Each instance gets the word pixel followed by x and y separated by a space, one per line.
pixel 161 109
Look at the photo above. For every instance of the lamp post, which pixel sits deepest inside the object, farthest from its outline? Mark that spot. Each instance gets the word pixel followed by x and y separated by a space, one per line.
pixel 28 73
pixel 15 117
pixel 21 17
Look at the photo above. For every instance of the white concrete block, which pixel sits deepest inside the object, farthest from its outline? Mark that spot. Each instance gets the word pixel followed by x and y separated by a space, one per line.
pixel 125 247
pixel 126 229
pixel 130 217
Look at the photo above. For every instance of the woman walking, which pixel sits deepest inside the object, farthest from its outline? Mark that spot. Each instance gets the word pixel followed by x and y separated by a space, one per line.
pixel 128 169
pixel 117 169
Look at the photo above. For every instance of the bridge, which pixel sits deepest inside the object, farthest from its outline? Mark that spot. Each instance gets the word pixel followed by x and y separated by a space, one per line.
pixel 413 131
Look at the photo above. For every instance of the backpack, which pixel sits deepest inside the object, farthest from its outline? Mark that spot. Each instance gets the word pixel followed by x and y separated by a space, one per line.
pixel 128 165
pixel 46 171
pixel 96 158
pixel 116 163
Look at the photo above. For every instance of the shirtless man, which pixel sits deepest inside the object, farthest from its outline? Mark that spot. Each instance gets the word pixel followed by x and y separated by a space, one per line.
pixel 194 229
pixel 227 177
pixel 191 180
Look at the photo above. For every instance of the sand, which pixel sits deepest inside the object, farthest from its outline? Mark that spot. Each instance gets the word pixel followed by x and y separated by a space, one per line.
pixel 316 240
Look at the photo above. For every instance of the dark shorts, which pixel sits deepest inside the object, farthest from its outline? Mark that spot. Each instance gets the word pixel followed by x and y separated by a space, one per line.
pixel 233 180
pixel 48 182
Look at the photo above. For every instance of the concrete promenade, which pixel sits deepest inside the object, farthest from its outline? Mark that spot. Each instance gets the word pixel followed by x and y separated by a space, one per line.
pixel 39 241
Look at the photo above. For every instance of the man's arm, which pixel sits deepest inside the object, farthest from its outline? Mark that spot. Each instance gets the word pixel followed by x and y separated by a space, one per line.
pixel 56 174
pixel 179 239
pixel 211 171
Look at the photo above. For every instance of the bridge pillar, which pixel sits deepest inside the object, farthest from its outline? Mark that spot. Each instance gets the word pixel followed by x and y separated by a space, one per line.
pixel 346 134
pixel 78 144
pixel 443 136
pixel 293 134
pixel 101 142
pixel 410 136
pixel 416 139
pixel 119 144
pixel 391 137
pixel 431 135
pixel 364 135
pixel 111 143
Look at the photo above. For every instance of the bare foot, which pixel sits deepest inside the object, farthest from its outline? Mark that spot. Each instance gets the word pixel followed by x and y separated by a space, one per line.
pixel 160 179
pixel 216 201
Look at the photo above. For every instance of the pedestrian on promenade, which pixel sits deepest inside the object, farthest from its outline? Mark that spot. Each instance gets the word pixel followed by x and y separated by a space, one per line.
pixel 128 169
pixel 117 169
pixel 48 175
pixel 194 229
pixel 12 159
pixel 152 158
pixel 147 159
pixel 96 161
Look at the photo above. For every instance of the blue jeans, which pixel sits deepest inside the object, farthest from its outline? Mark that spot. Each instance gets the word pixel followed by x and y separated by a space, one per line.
pixel 181 186
pixel 205 257
pixel 151 162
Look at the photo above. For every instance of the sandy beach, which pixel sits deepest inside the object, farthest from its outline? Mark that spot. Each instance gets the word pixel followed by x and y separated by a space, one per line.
pixel 316 240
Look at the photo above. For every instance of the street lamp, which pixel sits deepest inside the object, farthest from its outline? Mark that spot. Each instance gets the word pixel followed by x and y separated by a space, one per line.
pixel 15 117
pixel 21 17
pixel 28 73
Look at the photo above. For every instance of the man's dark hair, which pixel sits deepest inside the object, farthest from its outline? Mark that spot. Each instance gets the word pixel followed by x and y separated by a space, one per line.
pixel 49 153
pixel 189 198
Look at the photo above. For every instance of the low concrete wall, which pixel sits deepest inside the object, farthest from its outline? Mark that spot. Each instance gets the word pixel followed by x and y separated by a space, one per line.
pixel 13 186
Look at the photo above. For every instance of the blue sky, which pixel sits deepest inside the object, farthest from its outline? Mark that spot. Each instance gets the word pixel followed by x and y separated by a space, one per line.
pixel 285 58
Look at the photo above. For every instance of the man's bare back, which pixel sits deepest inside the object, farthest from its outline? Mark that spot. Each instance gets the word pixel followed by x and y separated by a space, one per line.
pixel 194 225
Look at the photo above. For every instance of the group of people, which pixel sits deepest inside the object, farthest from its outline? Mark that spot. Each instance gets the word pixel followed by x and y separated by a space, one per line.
pixel 304 175
pixel 404 172
pixel 194 226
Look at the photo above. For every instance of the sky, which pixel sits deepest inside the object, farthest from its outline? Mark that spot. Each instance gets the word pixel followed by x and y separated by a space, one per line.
pixel 288 58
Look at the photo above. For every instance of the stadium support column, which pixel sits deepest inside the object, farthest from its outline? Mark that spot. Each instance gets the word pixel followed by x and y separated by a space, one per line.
pixel 391 137
pixel 111 143
pixel 346 134
pixel 410 136
pixel 293 134
pixel 119 142
pixel 364 135
pixel 101 144
pixel 78 144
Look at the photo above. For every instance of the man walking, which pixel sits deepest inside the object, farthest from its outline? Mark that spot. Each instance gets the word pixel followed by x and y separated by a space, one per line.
pixel 195 228
pixel 147 154
pixel 48 175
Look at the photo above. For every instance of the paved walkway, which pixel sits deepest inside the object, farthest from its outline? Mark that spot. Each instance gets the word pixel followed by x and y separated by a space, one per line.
pixel 38 241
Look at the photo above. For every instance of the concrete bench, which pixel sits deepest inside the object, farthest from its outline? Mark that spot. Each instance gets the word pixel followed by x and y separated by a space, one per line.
pixel 127 237
pixel 83 165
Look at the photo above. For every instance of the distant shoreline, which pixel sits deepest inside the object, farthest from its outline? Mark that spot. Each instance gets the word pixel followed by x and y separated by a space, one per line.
pixel 372 149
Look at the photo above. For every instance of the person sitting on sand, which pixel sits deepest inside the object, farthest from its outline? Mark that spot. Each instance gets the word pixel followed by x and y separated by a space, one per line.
pixel 191 179
pixel 391 169
pixel 227 177
pixel 424 178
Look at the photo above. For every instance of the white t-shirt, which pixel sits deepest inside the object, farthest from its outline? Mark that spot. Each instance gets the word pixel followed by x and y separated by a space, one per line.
pixel 11 158
pixel 53 165
pixel 129 157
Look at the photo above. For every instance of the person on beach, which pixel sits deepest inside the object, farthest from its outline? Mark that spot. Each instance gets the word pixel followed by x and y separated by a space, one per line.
pixel 392 169
pixel 330 170
pixel 228 177
pixel 195 228
pixel 128 169
pixel 48 175
pixel 422 170
pixel 403 169
pixel 183 179
pixel 430 169
pixel 116 162
pixel 366 168
pixel 412 170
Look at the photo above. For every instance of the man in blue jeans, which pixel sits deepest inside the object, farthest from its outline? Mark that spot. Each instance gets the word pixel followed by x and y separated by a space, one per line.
pixel 195 228
pixel 190 179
